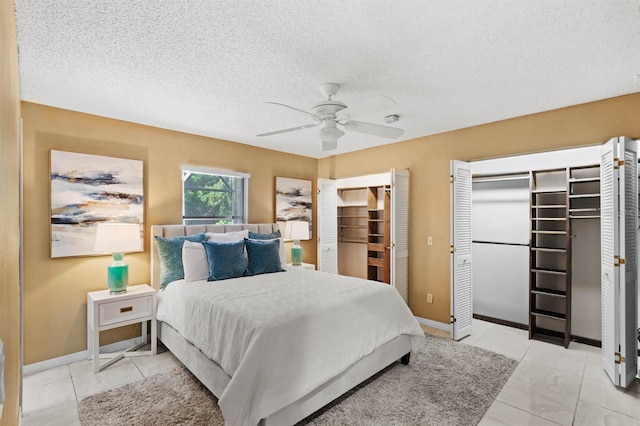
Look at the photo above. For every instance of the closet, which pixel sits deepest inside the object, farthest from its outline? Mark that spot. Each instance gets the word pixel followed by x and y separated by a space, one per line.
pixel 581 275
pixel 363 227
pixel 364 232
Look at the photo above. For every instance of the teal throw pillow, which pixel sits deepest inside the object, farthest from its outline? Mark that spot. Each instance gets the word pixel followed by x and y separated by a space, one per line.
pixel 226 260
pixel 264 256
pixel 170 253
pixel 256 236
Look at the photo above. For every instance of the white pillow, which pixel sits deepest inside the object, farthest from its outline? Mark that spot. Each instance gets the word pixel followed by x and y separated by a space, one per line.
pixel 227 237
pixel 282 252
pixel 194 262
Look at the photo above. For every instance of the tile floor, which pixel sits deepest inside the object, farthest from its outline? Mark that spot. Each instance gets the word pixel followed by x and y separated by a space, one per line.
pixel 550 386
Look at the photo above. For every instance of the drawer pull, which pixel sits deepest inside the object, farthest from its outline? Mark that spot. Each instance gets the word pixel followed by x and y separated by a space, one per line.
pixel 126 309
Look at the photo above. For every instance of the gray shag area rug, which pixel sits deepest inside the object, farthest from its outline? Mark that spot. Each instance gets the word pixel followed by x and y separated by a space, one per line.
pixel 446 383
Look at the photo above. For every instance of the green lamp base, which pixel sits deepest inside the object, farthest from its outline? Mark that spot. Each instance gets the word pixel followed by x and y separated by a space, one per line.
pixel 117 275
pixel 296 253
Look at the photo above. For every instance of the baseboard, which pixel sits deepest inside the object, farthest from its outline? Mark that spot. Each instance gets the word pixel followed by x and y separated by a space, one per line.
pixel 574 338
pixel 435 324
pixel 78 356
pixel 502 322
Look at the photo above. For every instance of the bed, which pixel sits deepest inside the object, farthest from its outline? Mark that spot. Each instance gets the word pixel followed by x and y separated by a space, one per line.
pixel 274 348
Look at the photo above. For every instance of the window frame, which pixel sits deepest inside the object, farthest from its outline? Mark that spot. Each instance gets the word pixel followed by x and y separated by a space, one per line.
pixel 217 172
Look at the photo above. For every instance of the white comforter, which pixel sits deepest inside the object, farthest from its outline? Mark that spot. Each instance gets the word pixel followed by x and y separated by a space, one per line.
pixel 281 335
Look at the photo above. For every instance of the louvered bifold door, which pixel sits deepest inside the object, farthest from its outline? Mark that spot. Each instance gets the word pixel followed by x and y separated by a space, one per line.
pixel 400 232
pixel 628 346
pixel 609 241
pixel 619 210
pixel 461 297
pixel 327 225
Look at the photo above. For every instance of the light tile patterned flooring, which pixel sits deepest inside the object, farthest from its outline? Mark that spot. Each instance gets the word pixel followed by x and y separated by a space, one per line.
pixel 550 386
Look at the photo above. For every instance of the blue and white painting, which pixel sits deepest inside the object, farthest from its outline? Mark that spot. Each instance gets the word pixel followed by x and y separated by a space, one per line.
pixel 87 190
pixel 293 201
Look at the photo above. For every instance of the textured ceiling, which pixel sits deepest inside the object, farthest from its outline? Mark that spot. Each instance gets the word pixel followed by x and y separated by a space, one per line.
pixel 207 67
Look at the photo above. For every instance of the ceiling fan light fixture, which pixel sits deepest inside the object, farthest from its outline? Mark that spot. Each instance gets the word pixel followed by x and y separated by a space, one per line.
pixel 331 133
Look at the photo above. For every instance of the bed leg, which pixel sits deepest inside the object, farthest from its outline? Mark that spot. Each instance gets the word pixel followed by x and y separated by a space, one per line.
pixel 405 358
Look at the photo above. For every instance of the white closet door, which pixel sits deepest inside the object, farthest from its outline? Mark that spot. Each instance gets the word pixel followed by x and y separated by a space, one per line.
pixel 628 269
pixel 327 225
pixel 400 232
pixel 608 250
pixel 618 210
pixel 461 297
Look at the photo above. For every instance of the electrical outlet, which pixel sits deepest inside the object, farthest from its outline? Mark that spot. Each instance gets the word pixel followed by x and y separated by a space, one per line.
pixel 429 297
pixel 429 240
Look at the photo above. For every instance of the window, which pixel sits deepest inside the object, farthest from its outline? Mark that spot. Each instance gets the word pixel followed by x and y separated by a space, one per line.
pixel 213 196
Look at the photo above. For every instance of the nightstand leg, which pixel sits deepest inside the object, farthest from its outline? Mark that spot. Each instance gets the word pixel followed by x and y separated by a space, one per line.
pixel 96 350
pixel 154 336
pixel 89 342
pixel 145 339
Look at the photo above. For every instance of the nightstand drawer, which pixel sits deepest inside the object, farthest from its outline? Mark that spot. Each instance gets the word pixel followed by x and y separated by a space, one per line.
pixel 124 310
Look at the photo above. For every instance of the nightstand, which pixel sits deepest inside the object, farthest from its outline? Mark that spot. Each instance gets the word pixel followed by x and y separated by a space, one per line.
pixel 106 311
pixel 303 266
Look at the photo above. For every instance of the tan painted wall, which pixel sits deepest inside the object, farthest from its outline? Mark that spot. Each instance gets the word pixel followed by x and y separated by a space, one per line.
pixel 9 212
pixel 55 289
pixel 428 158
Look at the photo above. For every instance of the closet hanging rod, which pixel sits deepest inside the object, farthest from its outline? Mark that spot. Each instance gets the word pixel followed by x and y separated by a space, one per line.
pixel 498 178
pixel 499 243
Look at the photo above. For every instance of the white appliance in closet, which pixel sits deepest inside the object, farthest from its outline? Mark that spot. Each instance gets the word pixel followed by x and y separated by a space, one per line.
pixel 619 234
pixel 327 201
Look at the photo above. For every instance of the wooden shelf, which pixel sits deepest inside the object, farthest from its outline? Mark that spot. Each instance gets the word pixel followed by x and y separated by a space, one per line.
pixel 548 271
pixel 587 209
pixel 548 314
pixel 352 216
pixel 538 231
pixel 549 206
pixel 549 249
pixel 582 180
pixel 353 240
pixel 549 191
pixel 548 292
pixel 574 196
pixel 556 219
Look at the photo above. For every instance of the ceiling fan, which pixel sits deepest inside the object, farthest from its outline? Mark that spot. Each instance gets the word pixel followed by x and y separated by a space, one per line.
pixel 331 113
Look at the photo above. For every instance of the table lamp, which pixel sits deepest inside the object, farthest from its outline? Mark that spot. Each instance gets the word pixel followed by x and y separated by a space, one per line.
pixel 117 238
pixel 296 231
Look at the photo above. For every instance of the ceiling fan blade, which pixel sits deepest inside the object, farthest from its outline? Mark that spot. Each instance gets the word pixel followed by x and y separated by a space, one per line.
pixel 292 129
pixel 366 107
pixel 295 109
pixel 373 129
pixel 329 145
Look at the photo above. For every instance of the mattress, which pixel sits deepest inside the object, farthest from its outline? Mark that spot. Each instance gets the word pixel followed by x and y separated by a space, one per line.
pixel 281 335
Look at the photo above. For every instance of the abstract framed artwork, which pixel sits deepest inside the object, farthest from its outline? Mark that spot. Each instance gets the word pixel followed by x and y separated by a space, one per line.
pixel 293 201
pixel 91 189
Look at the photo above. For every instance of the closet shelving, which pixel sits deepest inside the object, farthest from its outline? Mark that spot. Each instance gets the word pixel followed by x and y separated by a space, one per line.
pixel 550 257
pixel 352 217
pixel 379 233
pixel 584 192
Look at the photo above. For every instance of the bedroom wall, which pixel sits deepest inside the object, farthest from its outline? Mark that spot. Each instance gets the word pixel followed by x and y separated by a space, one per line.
pixel 428 159
pixel 9 213
pixel 55 289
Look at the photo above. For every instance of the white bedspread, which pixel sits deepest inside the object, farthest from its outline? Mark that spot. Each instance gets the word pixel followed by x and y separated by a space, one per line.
pixel 281 335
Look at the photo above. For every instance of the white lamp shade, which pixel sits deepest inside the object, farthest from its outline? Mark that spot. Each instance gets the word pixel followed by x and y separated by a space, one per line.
pixel 296 230
pixel 117 238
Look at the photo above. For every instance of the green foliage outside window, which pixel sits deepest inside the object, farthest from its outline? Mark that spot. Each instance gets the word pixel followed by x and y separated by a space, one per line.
pixel 212 198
